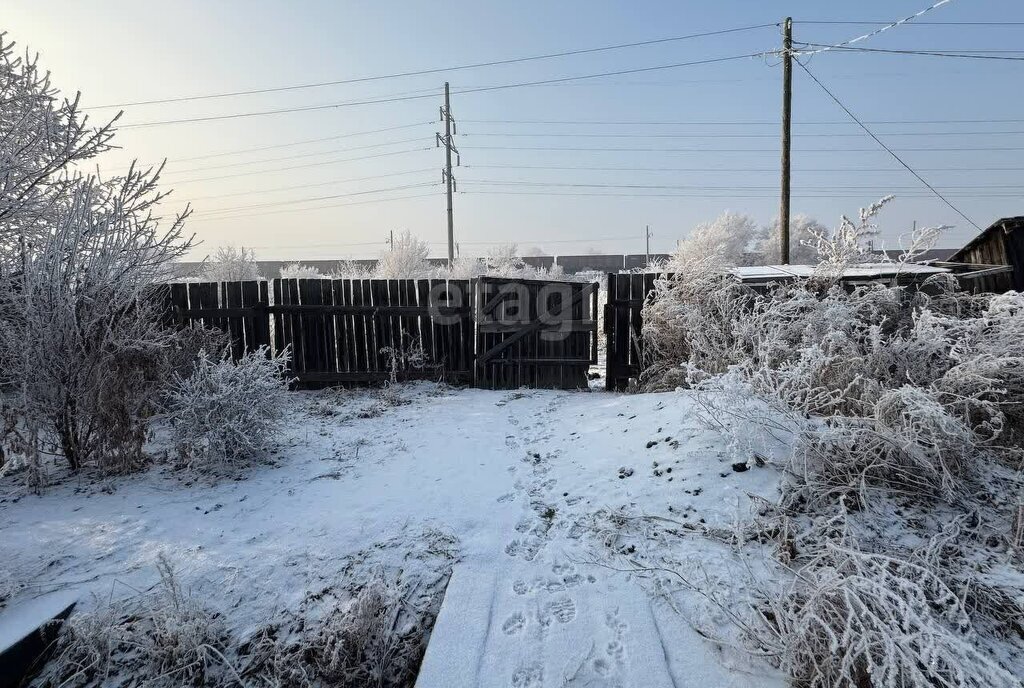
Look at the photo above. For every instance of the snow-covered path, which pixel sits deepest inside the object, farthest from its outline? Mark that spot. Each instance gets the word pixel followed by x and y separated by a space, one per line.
pixel 523 480
pixel 548 615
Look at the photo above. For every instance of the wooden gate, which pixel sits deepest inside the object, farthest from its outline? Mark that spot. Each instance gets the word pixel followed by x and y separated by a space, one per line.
pixel 623 321
pixel 534 333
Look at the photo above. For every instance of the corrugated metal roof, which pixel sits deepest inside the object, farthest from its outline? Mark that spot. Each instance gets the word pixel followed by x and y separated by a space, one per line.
pixel 770 273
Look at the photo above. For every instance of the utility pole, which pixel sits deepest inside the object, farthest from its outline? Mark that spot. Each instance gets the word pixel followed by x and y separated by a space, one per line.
pixel 787 111
pixel 446 174
pixel 647 232
pixel 391 241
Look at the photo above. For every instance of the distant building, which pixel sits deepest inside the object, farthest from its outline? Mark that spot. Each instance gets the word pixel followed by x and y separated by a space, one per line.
pixel 1002 244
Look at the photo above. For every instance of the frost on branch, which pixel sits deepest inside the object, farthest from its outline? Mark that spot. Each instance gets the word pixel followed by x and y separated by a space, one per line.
pixel 407 259
pixel 727 239
pixel 300 271
pixel 228 413
pixel 232 264
pixel 905 408
pixel 83 349
pixel 854 618
pixel 41 135
pixel 82 343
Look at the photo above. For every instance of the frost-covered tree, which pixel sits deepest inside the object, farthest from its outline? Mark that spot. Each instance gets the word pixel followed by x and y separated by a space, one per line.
pixel 80 337
pixel 464 267
pixel 503 261
pixel 300 271
pixel 851 242
pixel 350 269
pixel 803 230
pixel 728 238
pixel 232 264
pixel 406 260
pixel 41 136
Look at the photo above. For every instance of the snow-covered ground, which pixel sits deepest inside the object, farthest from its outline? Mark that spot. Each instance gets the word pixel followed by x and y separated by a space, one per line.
pixel 539 497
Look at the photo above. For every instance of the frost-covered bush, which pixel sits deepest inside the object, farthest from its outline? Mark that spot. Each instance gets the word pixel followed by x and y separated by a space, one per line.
pixel 349 269
pixel 802 231
pixel 361 642
pixel 166 638
pixel 84 353
pixel 728 238
pixel 407 259
pixel 300 271
pixel 231 264
pixel 854 618
pixel 904 407
pixel 226 413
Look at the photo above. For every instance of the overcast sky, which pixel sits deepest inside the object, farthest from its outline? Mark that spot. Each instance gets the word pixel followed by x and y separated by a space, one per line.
pixel 512 185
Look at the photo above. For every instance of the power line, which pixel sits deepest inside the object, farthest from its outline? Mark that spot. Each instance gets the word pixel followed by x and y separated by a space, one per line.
pixel 733 187
pixel 736 150
pixel 297 156
pixel 314 199
pixel 304 165
pixel 239 151
pixel 438 70
pixel 482 89
pixel 735 122
pixel 607 194
pixel 915 23
pixel 730 136
pixel 930 53
pixel 887 149
pixel 882 29
pixel 323 207
pixel 251 192
pixel 737 169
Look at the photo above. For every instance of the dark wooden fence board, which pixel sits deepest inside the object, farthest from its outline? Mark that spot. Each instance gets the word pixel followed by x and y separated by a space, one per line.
pixel 533 333
pixel 342 330
pixel 623 324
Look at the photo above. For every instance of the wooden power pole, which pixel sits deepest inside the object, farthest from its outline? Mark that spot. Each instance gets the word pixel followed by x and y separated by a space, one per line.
pixel 446 174
pixel 787 123
pixel 647 233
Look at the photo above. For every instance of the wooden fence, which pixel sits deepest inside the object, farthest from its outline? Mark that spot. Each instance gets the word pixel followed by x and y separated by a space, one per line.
pixel 623 321
pixel 535 333
pixel 351 331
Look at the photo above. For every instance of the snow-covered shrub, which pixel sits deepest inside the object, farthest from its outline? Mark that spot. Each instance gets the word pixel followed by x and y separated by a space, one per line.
pixel 227 413
pixel 690 318
pixel 300 271
pixel 904 407
pixel 164 638
pixel 854 618
pixel 802 232
pixel 349 269
pixel 407 259
pixel 360 643
pixel 231 264
pixel 728 239
pixel 82 347
pixel 464 267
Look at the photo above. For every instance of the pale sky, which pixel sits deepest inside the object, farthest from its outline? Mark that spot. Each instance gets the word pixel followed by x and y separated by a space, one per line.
pixel 719 149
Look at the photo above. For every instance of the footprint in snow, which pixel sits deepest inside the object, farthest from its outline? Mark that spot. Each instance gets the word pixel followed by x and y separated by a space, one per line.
pixel 531 676
pixel 562 610
pixel 514 624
